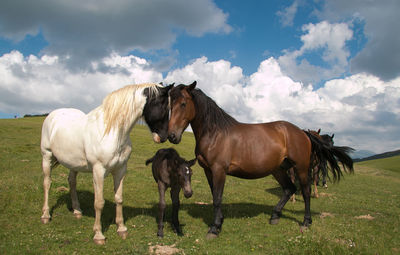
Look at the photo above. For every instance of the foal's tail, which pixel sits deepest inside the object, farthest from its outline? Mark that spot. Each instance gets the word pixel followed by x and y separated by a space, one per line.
pixel 332 155
pixel 150 160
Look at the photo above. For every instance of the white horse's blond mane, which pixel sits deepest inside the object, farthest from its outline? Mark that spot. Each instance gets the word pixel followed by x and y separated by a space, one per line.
pixel 121 106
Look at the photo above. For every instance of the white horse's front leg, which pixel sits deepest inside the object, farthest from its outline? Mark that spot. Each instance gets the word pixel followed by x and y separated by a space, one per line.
pixel 46 164
pixel 74 197
pixel 98 182
pixel 118 187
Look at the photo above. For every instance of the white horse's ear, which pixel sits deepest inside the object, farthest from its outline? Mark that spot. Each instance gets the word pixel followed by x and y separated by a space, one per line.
pixel 192 86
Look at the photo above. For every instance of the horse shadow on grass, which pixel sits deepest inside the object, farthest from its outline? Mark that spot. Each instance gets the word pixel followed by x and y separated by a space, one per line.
pixel 195 210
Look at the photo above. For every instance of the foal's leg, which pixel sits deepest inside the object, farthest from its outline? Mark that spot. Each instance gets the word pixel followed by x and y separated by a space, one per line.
pixel 161 208
pixel 74 197
pixel 98 183
pixel 175 209
pixel 288 190
pixel 118 186
pixel 218 183
pixel 46 165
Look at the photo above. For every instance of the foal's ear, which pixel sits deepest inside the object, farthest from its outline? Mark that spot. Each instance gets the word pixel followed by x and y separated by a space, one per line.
pixel 191 162
pixel 192 86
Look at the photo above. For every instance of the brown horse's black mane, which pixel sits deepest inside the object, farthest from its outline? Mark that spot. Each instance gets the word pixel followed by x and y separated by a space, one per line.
pixel 209 115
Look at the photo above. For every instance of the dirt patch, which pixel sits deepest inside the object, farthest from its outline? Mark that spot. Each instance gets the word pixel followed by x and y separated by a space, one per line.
pixel 366 217
pixel 201 203
pixel 326 214
pixel 322 194
pixel 165 250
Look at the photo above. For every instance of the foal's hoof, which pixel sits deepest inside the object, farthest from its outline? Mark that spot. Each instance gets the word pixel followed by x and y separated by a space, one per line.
pixel 123 234
pixel 45 220
pixel 100 241
pixel 274 221
pixel 210 236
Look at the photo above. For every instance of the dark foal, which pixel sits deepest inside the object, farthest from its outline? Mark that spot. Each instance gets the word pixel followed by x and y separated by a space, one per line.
pixel 170 170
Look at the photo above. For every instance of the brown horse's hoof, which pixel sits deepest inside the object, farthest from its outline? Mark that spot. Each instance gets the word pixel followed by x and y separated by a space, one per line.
pixel 123 234
pixel 100 241
pixel 45 220
pixel 210 236
pixel 274 221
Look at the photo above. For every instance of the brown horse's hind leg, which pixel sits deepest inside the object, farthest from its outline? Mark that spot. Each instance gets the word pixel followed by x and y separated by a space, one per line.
pixel 288 190
pixel 305 184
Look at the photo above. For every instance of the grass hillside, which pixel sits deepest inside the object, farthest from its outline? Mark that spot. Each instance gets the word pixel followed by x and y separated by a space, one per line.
pixel 358 215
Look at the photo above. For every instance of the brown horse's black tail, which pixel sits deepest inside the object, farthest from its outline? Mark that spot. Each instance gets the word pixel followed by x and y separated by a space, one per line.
pixel 332 155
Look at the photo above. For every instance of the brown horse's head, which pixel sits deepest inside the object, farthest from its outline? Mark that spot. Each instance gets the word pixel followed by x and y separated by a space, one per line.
pixel 182 111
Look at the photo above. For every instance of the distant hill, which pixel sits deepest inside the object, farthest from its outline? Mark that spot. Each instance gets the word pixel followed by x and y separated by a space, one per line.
pixel 378 156
pixel 359 154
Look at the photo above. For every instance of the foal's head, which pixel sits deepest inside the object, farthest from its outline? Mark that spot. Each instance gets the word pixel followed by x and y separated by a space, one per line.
pixel 185 176
pixel 182 111
pixel 156 111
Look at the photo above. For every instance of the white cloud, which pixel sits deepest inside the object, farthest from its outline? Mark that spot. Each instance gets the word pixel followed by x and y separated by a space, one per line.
pixel 380 24
pixel 288 14
pixel 84 31
pixel 38 85
pixel 331 39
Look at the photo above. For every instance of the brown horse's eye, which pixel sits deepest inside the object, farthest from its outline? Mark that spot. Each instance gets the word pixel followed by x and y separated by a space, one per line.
pixel 183 105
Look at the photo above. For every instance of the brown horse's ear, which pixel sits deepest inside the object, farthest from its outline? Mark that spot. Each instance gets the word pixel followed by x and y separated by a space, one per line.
pixel 332 136
pixel 192 86
pixel 191 162
pixel 319 131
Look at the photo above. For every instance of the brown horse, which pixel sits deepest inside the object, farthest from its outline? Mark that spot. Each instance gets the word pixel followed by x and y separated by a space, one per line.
pixel 225 146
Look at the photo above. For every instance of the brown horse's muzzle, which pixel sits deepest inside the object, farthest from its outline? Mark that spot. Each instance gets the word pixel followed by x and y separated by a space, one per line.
pixel 174 138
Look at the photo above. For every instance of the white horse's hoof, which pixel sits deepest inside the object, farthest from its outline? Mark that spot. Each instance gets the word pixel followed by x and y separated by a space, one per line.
pixel 99 241
pixel 45 220
pixel 78 215
pixel 123 234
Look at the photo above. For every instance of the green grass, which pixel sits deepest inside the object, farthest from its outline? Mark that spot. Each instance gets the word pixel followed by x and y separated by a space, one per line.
pixel 337 228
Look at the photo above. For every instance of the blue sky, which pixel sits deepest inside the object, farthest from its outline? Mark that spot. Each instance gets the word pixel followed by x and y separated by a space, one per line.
pixel 333 65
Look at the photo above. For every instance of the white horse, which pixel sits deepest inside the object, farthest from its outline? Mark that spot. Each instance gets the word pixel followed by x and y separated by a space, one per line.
pixel 99 143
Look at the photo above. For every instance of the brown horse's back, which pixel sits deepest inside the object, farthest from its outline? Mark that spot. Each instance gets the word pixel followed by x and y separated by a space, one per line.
pixel 259 149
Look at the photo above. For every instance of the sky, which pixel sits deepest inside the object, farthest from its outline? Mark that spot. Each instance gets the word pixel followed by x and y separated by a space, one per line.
pixel 333 65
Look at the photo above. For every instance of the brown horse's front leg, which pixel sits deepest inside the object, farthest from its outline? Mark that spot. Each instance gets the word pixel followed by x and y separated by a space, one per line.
pixel 161 208
pixel 218 182
pixel 175 209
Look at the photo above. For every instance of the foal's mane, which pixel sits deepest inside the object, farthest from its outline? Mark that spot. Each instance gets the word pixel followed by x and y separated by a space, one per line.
pixel 121 107
pixel 209 114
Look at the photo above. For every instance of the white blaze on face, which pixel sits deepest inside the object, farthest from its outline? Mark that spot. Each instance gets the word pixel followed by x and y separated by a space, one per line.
pixel 156 138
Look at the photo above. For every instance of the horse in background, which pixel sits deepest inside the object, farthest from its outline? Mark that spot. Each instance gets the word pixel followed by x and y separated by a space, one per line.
pixel 99 142
pixel 317 170
pixel 225 146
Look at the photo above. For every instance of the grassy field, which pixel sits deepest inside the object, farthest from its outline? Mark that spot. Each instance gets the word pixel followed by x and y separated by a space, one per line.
pixel 358 215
